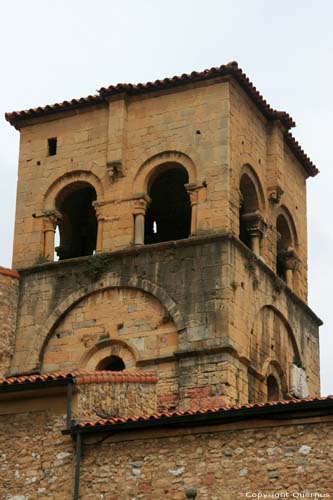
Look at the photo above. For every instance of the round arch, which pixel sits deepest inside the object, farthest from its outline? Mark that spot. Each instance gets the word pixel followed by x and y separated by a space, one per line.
pixel 157 163
pixel 285 213
pixel 46 330
pixel 107 348
pixel 272 368
pixel 248 171
pixel 76 176
pixel 291 336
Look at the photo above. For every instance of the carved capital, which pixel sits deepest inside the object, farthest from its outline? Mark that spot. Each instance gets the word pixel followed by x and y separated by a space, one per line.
pixel 275 194
pixel 140 204
pixel 290 258
pixel 115 169
pixel 50 219
pixel 99 210
pixel 254 223
pixel 193 191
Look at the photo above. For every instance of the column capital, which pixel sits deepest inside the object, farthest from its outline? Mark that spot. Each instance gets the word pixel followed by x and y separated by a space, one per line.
pixel 140 203
pixel 99 210
pixel 255 223
pixel 193 190
pixel 50 219
pixel 291 258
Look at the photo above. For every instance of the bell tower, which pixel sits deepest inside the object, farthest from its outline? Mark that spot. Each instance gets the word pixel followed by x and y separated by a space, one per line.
pixel 162 226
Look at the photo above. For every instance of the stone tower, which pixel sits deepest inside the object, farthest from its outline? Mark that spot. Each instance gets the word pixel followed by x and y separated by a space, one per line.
pixel 163 227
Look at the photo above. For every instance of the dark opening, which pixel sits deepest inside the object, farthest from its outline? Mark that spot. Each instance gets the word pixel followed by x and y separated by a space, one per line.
pixel 52 143
pixel 283 244
pixel 249 204
pixel 168 217
pixel 78 226
pixel 273 392
pixel 111 363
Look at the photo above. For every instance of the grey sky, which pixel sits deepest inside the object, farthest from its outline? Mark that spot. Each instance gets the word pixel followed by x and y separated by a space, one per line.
pixel 60 49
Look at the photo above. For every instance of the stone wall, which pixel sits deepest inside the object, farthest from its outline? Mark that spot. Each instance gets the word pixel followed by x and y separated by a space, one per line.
pixel 261 146
pixel 203 312
pixel 117 399
pixel 188 127
pixel 224 462
pixel 9 289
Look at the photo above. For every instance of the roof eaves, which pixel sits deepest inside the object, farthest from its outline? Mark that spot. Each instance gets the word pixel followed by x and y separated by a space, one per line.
pixel 17 117
pixel 206 416
pixel 80 377
pixel 301 156
pixel 230 69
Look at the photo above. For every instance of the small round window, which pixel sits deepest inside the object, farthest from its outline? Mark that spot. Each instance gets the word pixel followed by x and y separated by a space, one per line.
pixel 111 363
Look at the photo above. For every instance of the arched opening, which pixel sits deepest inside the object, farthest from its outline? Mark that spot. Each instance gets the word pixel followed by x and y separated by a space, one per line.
pixel 111 363
pixel 273 391
pixel 284 244
pixel 249 205
pixel 168 216
pixel 78 224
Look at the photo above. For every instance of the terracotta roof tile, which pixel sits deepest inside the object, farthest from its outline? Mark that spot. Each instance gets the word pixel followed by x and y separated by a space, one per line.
pixel 228 70
pixel 301 155
pixel 9 272
pixel 16 116
pixel 203 411
pixel 84 377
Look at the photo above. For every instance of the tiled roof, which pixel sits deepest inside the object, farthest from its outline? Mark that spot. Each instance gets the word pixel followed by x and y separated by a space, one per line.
pixel 301 155
pixel 204 411
pixel 82 377
pixel 228 70
pixel 16 116
pixel 9 272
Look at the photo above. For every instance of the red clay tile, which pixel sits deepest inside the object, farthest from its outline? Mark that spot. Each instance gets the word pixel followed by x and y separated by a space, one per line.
pixel 229 70
pixel 85 377
pixel 9 272
pixel 202 411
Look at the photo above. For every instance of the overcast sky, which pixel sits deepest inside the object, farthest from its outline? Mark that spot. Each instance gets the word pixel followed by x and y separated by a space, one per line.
pixel 60 49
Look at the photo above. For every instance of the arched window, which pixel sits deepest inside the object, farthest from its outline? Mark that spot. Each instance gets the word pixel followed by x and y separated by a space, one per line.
pixel 284 245
pixel 273 391
pixel 78 224
pixel 251 221
pixel 168 216
pixel 111 363
pixel 248 205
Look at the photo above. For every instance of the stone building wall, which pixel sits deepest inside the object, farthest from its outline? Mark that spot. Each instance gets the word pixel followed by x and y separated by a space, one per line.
pixel 117 399
pixel 224 462
pixel 255 143
pixel 153 319
pixel 9 289
pixel 188 127
pixel 209 314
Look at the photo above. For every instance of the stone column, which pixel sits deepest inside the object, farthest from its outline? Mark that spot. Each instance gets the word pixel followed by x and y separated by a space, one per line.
pixel 192 190
pixel 141 203
pixel 256 227
pixel 50 220
pixel 291 261
pixel 100 223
